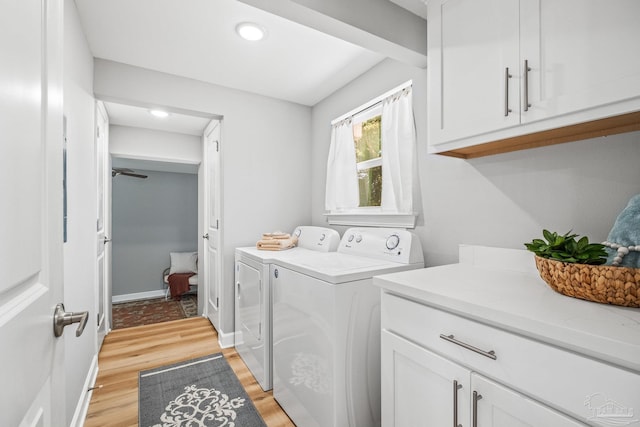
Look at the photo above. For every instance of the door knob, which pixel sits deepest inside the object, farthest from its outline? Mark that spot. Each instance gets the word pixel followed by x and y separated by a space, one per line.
pixel 206 236
pixel 106 240
pixel 63 318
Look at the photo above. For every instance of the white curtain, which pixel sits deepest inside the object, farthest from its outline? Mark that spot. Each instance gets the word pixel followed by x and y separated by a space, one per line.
pixel 342 175
pixel 398 152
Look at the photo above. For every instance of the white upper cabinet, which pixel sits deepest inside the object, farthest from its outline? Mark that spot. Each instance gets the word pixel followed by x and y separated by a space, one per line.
pixel 582 54
pixel 471 45
pixel 500 68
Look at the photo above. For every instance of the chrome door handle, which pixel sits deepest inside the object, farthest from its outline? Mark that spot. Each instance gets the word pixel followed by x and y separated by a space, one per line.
pixel 526 85
pixel 206 236
pixel 63 318
pixel 490 354
pixel 507 76
pixel 476 396
pixel 106 240
pixel 456 387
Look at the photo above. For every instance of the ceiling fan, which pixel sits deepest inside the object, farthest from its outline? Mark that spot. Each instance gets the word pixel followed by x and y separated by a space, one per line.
pixel 126 172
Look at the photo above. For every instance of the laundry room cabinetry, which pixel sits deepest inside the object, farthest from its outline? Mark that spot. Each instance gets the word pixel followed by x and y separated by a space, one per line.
pixel 499 69
pixel 427 389
pixel 480 346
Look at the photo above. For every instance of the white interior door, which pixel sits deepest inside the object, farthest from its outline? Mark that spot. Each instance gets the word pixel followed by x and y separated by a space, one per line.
pixel 31 220
pixel 103 223
pixel 212 236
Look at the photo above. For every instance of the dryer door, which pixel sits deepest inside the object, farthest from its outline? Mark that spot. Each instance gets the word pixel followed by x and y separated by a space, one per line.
pixel 252 312
pixel 249 305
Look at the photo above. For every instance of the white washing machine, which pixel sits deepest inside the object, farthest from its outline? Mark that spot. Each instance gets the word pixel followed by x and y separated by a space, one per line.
pixel 253 297
pixel 326 327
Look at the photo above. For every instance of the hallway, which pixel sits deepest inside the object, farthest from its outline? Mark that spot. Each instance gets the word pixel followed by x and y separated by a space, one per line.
pixel 125 352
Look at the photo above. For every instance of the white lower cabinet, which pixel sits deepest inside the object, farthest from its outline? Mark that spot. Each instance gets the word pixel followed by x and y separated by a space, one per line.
pixel 444 369
pixel 498 406
pixel 420 388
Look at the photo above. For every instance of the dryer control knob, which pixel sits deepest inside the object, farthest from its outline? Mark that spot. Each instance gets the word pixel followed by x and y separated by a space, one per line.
pixel 350 239
pixel 322 237
pixel 393 241
pixel 297 232
pixel 358 238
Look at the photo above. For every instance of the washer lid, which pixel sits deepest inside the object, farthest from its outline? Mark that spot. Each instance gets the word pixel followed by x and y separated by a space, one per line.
pixel 336 267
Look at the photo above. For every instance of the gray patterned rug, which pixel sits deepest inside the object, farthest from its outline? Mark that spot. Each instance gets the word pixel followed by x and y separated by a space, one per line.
pixel 197 392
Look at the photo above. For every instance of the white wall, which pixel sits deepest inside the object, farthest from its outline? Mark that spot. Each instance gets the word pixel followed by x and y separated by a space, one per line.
pixel 151 217
pixel 80 249
pixel 148 144
pixel 265 148
pixel 502 200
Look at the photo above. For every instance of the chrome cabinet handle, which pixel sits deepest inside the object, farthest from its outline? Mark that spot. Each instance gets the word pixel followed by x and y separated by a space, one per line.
pixel 238 289
pixel 456 387
pixel 526 85
pixel 476 397
pixel 490 354
pixel 507 76
pixel 63 318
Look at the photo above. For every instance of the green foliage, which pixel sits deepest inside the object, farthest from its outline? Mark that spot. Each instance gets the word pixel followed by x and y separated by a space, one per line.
pixel 566 248
pixel 368 145
pixel 370 186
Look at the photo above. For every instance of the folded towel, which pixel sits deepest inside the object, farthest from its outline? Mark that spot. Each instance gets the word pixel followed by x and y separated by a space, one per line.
pixel 276 235
pixel 277 244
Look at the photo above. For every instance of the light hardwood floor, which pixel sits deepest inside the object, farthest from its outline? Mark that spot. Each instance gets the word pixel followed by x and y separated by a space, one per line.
pixel 126 352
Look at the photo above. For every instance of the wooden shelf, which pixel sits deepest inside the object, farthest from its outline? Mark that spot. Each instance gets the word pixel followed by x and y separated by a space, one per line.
pixel 602 127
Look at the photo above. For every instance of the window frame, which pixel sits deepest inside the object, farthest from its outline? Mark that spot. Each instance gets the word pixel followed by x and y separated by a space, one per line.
pixel 372 216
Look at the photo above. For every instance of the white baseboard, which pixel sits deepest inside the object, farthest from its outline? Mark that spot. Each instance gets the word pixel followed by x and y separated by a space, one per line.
pixel 226 340
pixel 139 295
pixel 83 403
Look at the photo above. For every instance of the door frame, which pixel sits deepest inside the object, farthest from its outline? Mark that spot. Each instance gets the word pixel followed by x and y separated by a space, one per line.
pixel 103 167
pixel 212 278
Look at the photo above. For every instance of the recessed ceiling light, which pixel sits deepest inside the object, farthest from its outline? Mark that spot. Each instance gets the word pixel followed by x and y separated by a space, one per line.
pixel 159 113
pixel 250 31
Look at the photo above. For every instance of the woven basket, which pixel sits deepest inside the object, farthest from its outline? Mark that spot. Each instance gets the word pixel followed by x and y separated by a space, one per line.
pixel 599 283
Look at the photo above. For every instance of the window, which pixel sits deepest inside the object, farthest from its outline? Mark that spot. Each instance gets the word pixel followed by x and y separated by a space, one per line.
pixel 368 146
pixel 371 164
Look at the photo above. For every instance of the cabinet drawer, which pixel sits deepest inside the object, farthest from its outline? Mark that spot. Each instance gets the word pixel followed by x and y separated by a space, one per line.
pixel 575 384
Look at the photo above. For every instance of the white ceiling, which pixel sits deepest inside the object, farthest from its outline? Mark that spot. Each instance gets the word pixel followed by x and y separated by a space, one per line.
pixel 197 39
pixel 129 115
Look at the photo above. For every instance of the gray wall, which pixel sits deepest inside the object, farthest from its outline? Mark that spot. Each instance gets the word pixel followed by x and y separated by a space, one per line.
pixel 502 200
pixel 265 150
pixel 151 217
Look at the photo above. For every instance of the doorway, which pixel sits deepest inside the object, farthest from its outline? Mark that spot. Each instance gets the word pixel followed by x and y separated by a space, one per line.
pixel 162 185
pixel 154 214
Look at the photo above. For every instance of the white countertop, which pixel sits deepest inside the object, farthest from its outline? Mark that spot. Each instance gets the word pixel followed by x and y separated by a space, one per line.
pixel 521 302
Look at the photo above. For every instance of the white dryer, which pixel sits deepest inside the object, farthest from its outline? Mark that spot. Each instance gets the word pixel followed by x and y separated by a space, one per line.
pixel 253 296
pixel 326 327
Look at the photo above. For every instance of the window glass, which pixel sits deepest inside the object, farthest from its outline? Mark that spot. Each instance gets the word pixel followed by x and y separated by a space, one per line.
pixel 366 136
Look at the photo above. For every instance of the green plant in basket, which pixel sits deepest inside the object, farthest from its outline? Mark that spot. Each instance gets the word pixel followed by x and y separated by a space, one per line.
pixel 566 248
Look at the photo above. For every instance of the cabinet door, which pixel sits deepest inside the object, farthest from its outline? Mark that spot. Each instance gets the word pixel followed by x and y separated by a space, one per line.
pixel 498 406
pixel 418 386
pixel 471 45
pixel 582 54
